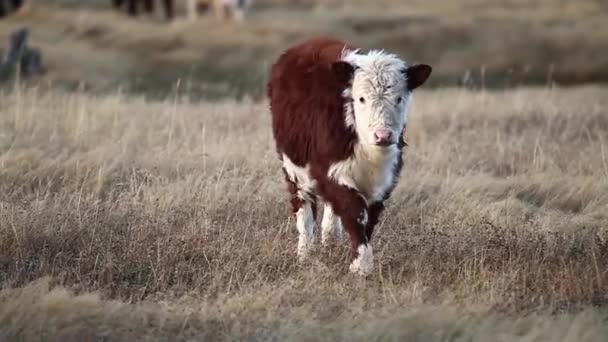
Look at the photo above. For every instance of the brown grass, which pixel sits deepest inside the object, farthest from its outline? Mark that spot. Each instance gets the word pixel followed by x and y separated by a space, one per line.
pixel 175 215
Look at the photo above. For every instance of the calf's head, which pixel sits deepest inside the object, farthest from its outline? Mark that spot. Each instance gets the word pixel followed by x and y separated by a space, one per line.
pixel 380 91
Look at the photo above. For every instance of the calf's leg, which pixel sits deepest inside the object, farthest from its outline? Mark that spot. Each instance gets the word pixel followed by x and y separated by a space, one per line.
pixel 352 209
pixel 375 209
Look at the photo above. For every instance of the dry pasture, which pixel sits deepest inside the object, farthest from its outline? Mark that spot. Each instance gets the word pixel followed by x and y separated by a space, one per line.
pixel 127 219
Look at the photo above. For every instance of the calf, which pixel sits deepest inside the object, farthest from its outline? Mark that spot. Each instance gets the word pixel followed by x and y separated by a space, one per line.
pixel 338 119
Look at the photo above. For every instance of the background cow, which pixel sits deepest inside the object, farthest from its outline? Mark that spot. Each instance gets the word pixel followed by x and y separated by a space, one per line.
pixel 338 119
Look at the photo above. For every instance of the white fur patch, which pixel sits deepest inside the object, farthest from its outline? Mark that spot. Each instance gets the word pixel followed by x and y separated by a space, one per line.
pixel 370 170
pixel 362 218
pixel 305 224
pixel 364 263
pixel 330 225
pixel 301 176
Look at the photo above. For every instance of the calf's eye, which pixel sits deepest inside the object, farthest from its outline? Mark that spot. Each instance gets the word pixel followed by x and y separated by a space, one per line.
pixel 399 100
pixel 362 100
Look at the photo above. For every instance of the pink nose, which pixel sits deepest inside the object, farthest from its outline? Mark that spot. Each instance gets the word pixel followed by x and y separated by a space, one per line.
pixel 383 137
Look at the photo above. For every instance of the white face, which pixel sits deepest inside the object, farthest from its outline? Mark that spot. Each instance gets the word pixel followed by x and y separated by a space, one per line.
pixel 380 104
pixel 380 98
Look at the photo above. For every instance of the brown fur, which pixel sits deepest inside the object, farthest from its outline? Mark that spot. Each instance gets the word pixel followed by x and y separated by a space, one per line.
pixel 307 105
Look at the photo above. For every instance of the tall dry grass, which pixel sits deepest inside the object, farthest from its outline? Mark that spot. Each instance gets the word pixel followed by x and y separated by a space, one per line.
pixel 125 219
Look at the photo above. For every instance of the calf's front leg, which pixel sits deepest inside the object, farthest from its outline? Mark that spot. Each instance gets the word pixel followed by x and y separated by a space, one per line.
pixel 351 208
pixel 374 211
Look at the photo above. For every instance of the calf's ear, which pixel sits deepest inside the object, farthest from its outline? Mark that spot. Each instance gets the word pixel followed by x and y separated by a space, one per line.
pixel 416 75
pixel 343 70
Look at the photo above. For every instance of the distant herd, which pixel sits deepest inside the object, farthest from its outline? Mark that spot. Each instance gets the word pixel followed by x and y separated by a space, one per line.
pixel 224 9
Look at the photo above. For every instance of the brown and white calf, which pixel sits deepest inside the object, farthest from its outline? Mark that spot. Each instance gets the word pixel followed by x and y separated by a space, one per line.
pixel 338 119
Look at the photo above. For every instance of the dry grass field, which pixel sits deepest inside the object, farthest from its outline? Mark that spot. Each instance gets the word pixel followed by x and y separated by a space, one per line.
pixel 127 219
pixel 141 198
